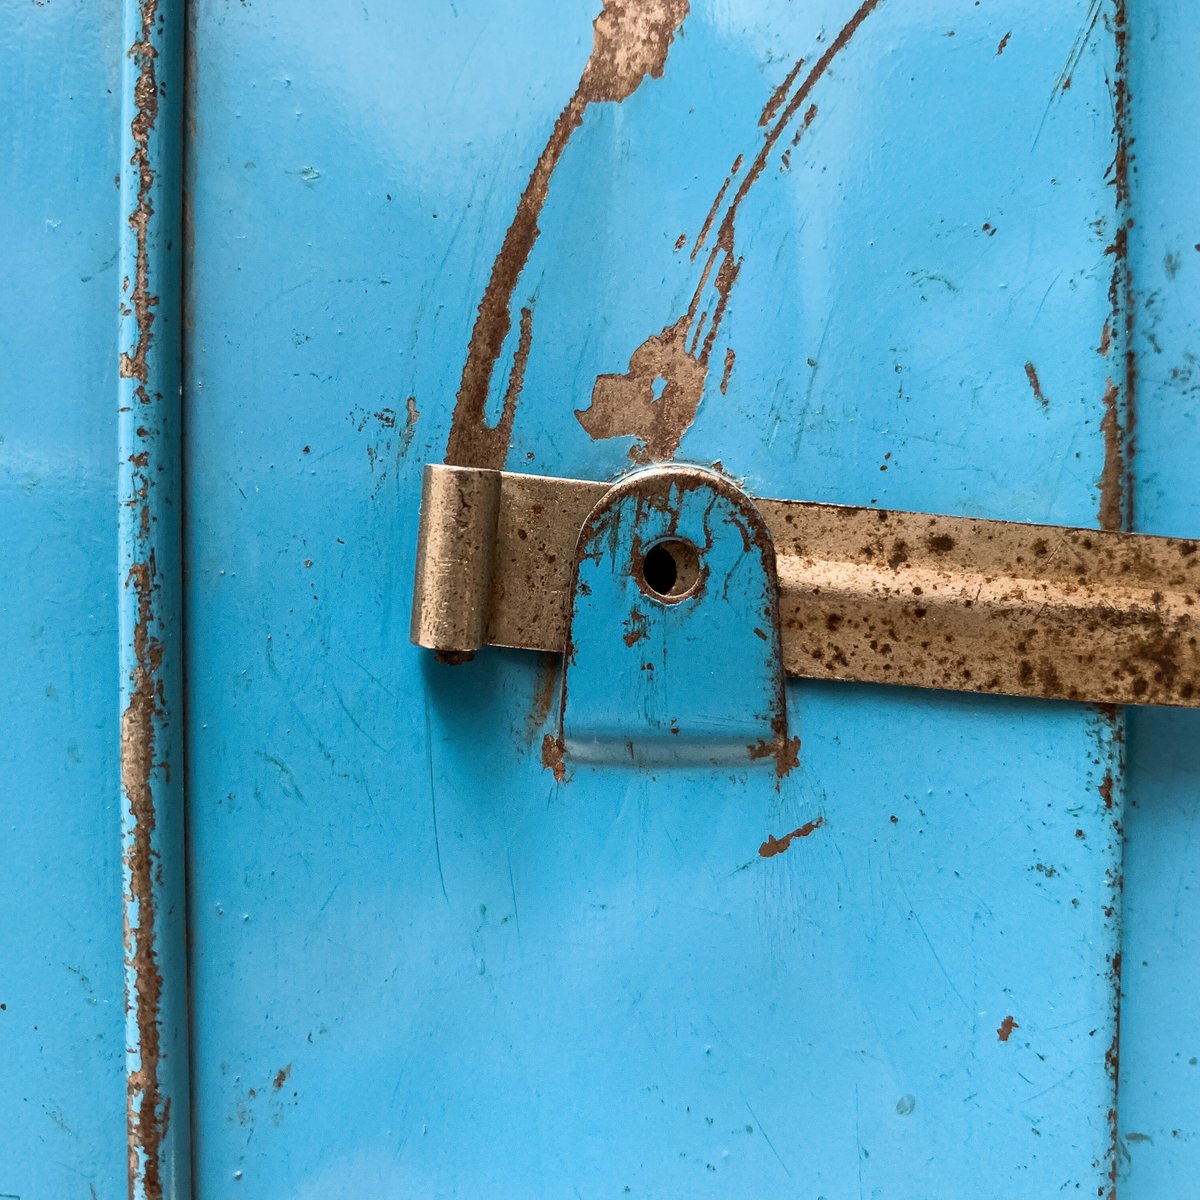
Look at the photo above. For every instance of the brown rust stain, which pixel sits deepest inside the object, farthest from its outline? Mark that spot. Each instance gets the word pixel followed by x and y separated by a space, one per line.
pixel 1036 384
pixel 627 404
pixel 543 693
pixel 630 42
pixel 552 757
pixel 1112 473
pixel 281 1077
pixel 1006 1028
pixel 1003 43
pixel 773 845
pixel 1116 509
pixel 1117 421
pixel 730 358
pixel 147 1109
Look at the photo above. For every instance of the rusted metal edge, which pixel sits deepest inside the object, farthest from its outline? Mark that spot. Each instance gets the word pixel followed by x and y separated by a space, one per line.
pixel 866 594
pixel 151 752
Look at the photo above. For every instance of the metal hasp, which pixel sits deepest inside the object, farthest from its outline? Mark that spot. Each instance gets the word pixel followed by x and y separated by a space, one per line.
pixel 674 652
pixel 865 594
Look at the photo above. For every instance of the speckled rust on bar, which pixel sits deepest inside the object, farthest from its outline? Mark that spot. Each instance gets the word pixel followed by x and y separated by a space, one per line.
pixel 867 594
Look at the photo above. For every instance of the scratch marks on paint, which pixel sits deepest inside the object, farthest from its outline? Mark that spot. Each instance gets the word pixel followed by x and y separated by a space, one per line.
pixel 1063 83
pixel 773 845
pixel 631 39
pixel 655 399
pixel 147 1109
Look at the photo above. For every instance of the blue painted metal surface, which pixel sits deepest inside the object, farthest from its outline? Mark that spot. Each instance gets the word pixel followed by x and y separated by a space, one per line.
pixel 423 965
pixel 682 665
pixel 428 958
pixel 61 1017
pixel 1160 1043
pixel 149 580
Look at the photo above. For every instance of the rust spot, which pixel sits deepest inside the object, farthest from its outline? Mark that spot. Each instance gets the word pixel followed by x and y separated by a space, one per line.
pixel 626 404
pixel 773 846
pixel 636 627
pixel 1006 1028
pixel 630 42
pixel 552 757
pixel 281 1077
pixel 1105 338
pixel 1035 383
pixel 1003 43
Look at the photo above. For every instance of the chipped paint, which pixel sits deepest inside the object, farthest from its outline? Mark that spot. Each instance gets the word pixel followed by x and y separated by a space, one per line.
pixel 627 404
pixel 773 845
pixel 1036 384
pixel 552 757
pixel 630 43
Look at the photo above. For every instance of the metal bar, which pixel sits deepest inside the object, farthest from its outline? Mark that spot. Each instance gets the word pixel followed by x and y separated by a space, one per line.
pixel 886 597
pixel 157 1113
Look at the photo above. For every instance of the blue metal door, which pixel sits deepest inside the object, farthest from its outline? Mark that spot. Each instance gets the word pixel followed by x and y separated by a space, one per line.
pixel 880 254
pixel 860 254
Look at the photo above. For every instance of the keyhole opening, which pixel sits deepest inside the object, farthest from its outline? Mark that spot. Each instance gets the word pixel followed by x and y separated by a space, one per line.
pixel 669 570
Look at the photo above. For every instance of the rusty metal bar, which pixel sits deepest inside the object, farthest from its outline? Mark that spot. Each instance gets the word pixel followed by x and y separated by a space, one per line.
pixel 865 594
pixel 151 758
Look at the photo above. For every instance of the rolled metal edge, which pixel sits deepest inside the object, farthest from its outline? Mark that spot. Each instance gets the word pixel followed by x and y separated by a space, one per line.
pixel 456 543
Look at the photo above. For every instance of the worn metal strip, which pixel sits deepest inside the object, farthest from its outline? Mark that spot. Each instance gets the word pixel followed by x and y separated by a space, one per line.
pixel 865 594
pixel 149 562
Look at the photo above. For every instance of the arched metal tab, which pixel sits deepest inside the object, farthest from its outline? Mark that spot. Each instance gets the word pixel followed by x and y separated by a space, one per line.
pixel 674 653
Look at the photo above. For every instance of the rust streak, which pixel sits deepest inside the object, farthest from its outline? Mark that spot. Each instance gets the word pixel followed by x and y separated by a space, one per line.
pixel 773 846
pixel 1036 384
pixel 1117 422
pixel 780 94
pixel 706 228
pixel 630 43
pixel 624 404
pixel 728 371
pixel 147 1110
pixel 1112 473
pixel 543 694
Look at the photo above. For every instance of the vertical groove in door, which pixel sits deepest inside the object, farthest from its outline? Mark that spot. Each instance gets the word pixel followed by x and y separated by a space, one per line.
pixel 149 603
